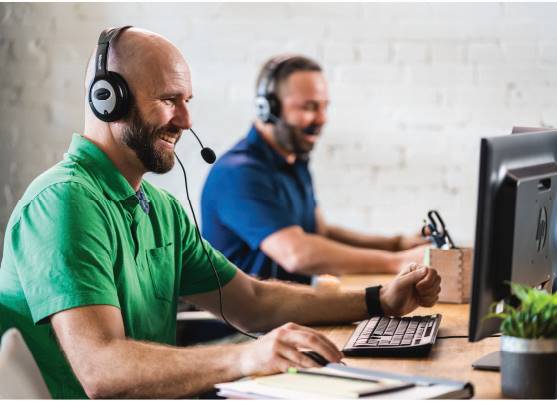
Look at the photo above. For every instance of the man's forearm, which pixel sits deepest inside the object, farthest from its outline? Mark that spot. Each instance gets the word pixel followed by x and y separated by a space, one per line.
pixel 361 240
pixel 135 369
pixel 280 302
pixel 317 255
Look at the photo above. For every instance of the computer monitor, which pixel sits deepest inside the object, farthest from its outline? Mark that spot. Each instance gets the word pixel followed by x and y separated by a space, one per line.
pixel 515 222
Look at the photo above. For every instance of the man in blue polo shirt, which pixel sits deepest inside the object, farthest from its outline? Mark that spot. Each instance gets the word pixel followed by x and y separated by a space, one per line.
pixel 259 205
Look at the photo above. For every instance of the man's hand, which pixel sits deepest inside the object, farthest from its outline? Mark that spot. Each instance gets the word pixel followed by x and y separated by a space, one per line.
pixel 411 241
pixel 416 285
pixel 281 348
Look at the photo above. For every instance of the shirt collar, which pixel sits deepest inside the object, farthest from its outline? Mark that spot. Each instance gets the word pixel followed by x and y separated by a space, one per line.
pixel 255 139
pixel 113 183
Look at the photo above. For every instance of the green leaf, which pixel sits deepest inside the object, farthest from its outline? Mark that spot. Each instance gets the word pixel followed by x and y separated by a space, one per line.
pixel 535 317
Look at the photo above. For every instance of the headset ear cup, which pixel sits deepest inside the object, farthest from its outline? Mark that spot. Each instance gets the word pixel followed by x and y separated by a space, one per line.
pixel 262 109
pixel 123 95
pixel 109 97
pixel 274 105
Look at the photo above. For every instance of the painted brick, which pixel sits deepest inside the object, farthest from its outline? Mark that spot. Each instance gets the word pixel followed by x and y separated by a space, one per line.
pixel 548 52
pixel 413 88
pixel 411 52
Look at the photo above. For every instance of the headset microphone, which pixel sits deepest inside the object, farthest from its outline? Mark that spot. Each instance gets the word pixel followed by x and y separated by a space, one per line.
pixel 206 153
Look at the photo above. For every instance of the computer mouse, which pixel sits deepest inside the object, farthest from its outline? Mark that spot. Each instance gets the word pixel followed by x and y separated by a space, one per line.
pixel 316 357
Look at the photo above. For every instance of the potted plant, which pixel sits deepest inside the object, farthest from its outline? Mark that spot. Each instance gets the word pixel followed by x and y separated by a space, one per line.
pixel 529 344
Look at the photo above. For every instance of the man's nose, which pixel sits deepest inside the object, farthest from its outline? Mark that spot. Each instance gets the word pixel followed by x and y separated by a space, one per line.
pixel 320 117
pixel 182 118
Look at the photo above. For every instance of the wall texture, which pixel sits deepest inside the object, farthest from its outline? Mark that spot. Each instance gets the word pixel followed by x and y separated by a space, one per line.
pixel 413 87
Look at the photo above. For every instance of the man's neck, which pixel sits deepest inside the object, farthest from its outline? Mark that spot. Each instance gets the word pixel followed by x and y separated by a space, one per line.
pixel 266 132
pixel 121 156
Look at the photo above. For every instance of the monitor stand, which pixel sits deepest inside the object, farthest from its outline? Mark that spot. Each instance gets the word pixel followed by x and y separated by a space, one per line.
pixel 491 361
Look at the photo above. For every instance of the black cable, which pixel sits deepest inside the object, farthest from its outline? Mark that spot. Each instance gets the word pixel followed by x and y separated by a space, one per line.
pixel 207 254
pixel 200 144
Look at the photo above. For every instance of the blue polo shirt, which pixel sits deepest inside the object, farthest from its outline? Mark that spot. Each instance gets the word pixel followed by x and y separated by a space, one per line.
pixel 250 193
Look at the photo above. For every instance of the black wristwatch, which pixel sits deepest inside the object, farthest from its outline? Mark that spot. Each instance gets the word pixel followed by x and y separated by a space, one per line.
pixel 373 302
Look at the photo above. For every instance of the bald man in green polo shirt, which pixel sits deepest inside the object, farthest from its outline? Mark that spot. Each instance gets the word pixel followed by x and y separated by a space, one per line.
pixel 95 258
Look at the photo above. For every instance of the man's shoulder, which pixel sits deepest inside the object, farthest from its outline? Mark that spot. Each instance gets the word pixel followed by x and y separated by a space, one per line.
pixel 241 157
pixel 58 185
pixel 70 174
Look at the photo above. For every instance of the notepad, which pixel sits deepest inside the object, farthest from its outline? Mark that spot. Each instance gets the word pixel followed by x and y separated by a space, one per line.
pixel 338 381
pixel 309 381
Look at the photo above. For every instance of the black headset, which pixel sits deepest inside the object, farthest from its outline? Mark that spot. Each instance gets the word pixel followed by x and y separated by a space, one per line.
pixel 267 102
pixel 109 95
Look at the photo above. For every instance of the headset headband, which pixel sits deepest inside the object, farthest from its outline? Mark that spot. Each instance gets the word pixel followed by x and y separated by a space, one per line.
pixel 105 38
pixel 270 72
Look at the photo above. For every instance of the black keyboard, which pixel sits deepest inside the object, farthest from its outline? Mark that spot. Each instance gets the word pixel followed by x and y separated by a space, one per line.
pixel 394 336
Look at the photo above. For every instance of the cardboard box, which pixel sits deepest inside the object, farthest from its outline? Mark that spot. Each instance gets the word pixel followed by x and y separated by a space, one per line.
pixel 455 268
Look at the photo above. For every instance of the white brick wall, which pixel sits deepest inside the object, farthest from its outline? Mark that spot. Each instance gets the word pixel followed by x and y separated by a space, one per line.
pixel 413 88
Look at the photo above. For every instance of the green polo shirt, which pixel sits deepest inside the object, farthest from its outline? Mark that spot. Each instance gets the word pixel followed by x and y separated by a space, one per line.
pixel 79 237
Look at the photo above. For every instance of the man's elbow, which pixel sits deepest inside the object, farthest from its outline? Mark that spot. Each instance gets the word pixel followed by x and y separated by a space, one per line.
pixel 292 249
pixel 97 384
pixel 298 261
pixel 100 389
pixel 95 389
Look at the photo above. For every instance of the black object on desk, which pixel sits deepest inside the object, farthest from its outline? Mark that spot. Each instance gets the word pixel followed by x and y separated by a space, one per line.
pixel 316 357
pixel 394 336
pixel 436 231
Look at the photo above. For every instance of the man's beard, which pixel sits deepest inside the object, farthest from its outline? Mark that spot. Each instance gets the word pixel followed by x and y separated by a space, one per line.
pixel 290 138
pixel 141 137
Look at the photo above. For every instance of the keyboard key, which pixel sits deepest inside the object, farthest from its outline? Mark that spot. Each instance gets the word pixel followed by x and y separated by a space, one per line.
pixel 391 327
pixel 381 326
pixel 373 342
pixel 371 324
pixel 402 327
pixel 384 342
pixel 406 341
pixel 428 331
pixel 396 340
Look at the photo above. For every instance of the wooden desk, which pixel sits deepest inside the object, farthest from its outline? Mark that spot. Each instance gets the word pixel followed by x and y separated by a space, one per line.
pixel 450 358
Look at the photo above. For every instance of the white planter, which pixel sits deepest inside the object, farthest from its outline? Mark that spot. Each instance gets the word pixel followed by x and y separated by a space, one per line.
pixel 528 368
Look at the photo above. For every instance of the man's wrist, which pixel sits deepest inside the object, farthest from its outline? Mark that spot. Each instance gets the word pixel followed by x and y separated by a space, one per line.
pixel 373 301
pixel 384 307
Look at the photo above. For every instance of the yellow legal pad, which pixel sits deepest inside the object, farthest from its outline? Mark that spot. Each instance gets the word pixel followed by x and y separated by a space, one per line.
pixel 314 382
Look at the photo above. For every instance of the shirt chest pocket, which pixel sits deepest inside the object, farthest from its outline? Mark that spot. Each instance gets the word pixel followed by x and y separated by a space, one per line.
pixel 160 263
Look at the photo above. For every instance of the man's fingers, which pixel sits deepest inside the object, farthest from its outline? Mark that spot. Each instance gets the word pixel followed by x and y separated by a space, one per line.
pixel 303 337
pixel 331 346
pixel 412 274
pixel 283 364
pixel 428 301
pixel 428 283
pixel 296 357
pixel 291 354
